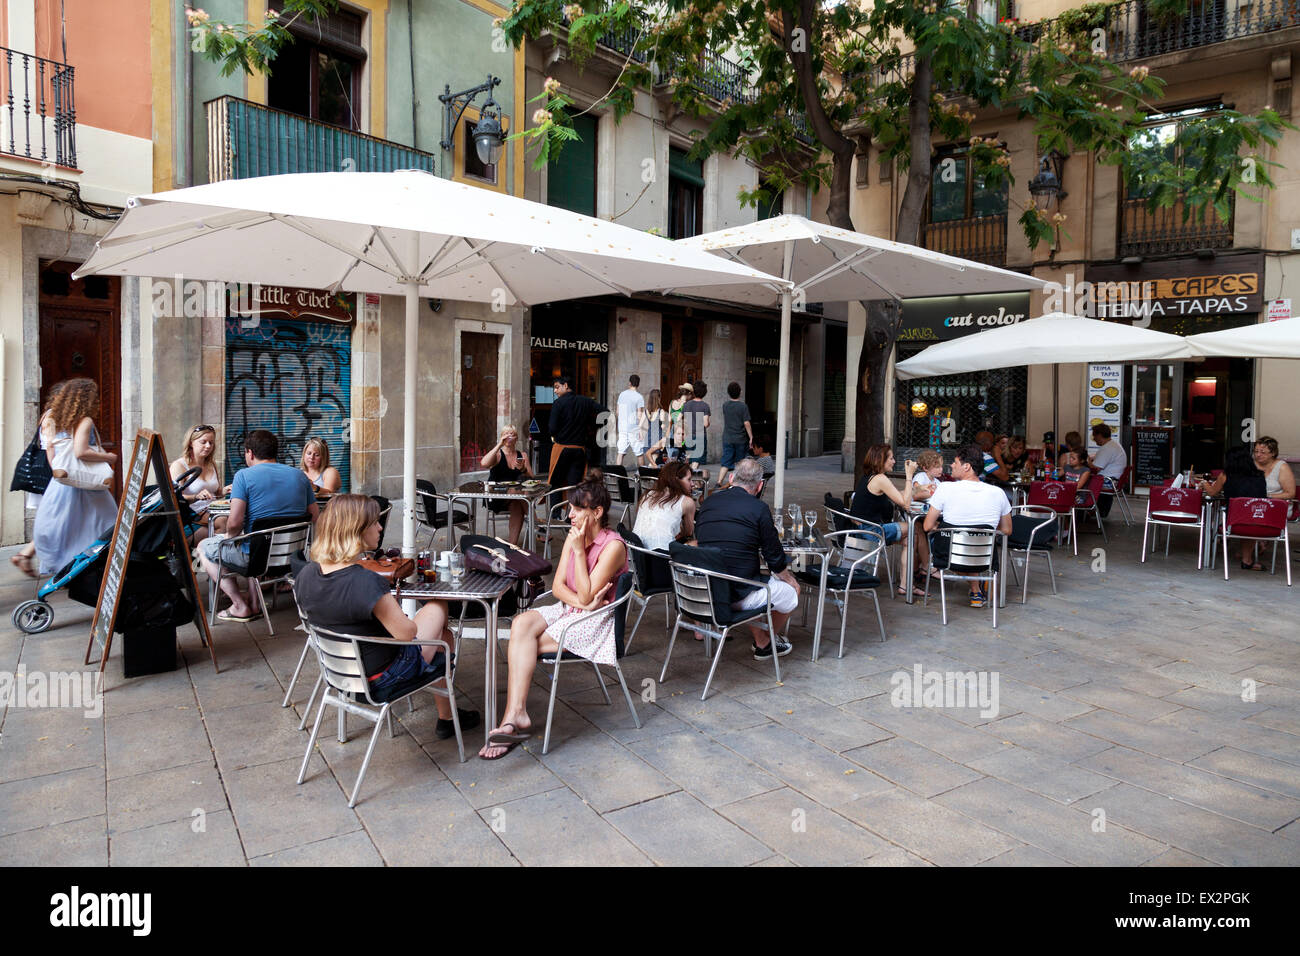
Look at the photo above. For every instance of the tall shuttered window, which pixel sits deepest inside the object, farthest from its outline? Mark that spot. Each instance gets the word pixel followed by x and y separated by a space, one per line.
pixel 571 178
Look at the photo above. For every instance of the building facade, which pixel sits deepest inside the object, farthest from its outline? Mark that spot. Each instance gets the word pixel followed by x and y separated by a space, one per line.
pixel 1115 259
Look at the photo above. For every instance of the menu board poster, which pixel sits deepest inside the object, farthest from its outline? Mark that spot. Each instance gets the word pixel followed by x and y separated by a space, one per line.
pixel 1105 400
pixel 1153 455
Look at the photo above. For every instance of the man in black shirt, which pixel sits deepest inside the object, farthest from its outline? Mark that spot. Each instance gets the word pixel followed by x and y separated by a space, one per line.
pixel 572 418
pixel 736 522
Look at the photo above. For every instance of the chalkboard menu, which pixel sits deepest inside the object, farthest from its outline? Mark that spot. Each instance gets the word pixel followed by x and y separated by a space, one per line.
pixel 147 451
pixel 1153 455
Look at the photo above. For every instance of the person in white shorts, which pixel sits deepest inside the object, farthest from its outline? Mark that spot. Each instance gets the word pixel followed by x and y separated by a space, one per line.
pixel 631 420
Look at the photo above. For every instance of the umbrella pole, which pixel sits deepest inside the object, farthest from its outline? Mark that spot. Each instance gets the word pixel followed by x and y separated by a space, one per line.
pixel 408 424
pixel 1056 414
pixel 783 382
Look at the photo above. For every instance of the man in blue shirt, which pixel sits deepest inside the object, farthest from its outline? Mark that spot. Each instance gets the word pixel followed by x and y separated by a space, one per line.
pixel 263 490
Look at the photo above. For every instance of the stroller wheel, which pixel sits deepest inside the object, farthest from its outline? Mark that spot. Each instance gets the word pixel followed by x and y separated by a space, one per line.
pixel 33 617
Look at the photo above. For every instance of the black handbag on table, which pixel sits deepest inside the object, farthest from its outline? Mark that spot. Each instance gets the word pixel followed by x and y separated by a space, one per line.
pixel 32 473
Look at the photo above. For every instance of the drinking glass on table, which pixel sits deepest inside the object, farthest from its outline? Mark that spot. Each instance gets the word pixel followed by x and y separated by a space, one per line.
pixel 810 519
pixel 779 520
pixel 456 563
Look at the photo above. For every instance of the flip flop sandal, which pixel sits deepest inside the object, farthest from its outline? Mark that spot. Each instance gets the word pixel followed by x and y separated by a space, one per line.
pixel 509 747
pixel 232 619
pixel 500 738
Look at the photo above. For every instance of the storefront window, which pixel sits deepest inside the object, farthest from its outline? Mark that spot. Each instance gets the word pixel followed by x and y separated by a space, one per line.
pixel 991 400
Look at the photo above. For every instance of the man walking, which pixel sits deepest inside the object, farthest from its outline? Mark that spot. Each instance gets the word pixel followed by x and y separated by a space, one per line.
pixel 737 432
pixel 631 416
pixel 696 419
pixel 572 418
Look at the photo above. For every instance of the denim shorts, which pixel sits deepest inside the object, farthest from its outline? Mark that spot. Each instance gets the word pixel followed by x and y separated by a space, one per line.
pixel 225 552
pixel 893 531
pixel 407 665
pixel 733 453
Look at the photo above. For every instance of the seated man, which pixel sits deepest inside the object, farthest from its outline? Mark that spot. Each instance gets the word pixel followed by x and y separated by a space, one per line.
pixel 264 489
pixel 739 524
pixel 967 502
pixel 1109 460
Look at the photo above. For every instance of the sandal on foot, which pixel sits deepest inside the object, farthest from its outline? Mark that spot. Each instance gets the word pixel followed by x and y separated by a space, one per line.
pixel 235 619
pixel 509 747
pixel 1252 567
pixel 500 738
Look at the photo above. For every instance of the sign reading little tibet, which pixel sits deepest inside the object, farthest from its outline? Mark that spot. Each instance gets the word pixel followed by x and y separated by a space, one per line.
pixel 295 303
pixel 569 345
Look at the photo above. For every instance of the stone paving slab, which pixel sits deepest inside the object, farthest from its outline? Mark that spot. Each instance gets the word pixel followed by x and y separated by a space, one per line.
pixel 1121 694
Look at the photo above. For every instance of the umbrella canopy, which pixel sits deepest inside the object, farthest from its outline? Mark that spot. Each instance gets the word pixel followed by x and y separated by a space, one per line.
pixel 375 232
pixel 405 232
pixel 1279 339
pixel 1052 339
pixel 829 264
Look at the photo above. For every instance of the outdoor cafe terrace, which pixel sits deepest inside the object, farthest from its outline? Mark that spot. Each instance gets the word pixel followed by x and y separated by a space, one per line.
pixel 1160 695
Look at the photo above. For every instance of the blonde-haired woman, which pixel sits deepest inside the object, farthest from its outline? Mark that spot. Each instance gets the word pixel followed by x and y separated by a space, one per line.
pixel 316 464
pixel 338 594
pixel 506 463
pixel 200 452
pixel 70 519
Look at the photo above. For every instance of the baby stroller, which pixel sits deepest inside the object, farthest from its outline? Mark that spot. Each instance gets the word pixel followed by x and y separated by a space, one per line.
pixel 83 574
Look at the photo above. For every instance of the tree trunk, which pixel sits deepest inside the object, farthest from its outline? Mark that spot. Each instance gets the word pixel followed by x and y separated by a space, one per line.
pixel 885 316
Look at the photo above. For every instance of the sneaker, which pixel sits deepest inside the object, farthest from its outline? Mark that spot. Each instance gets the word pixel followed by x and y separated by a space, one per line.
pixel 979 598
pixel 765 653
pixel 445 728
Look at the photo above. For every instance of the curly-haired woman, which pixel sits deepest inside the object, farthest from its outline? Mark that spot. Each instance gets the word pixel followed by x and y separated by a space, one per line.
pixel 70 519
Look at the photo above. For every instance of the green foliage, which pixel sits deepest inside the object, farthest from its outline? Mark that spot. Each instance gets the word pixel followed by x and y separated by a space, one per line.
pixel 246 46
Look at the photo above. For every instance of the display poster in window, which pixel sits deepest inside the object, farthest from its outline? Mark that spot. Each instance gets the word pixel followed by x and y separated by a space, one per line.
pixel 1105 401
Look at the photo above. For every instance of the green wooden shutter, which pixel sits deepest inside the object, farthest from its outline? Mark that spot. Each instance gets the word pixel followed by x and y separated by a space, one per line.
pixel 571 179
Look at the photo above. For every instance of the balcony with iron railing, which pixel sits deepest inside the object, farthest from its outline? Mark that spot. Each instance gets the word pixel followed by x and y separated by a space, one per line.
pixel 246 139
pixel 1146 232
pixel 980 239
pixel 1135 32
pixel 38 116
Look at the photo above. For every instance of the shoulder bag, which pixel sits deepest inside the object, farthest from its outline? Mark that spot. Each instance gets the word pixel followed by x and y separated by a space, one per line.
pixel 32 473
pixel 72 471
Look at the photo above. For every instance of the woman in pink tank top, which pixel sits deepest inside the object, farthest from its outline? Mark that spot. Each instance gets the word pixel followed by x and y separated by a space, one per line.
pixel 591 562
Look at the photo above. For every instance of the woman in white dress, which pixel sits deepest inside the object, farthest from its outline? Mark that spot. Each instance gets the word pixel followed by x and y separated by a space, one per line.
pixel 70 519
pixel 200 446
pixel 23 559
pixel 667 513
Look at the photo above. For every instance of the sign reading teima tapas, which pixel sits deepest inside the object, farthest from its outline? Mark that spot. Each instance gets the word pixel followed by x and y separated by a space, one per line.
pixel 1177 288
pixel 294 303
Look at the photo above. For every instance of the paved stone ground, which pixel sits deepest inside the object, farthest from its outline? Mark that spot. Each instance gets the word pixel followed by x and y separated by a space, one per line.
pixel 1120 704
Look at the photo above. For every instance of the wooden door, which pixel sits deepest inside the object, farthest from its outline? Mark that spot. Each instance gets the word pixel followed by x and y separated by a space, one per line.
pixel 478 396
pixel 80 337
pixel 682 355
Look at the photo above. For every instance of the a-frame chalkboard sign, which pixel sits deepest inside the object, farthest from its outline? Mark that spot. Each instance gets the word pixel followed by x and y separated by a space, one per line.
pixel 147 452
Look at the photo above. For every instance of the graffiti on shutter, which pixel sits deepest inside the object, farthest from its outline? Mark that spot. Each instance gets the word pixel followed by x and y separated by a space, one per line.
pixel 294 379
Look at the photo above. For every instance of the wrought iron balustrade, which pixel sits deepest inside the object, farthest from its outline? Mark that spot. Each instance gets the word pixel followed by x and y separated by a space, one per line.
pixel 38 115
pixel 1151 232
pixel 980 239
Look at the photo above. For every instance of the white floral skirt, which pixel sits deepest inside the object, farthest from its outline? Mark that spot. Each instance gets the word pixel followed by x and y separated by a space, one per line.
pixel 592 638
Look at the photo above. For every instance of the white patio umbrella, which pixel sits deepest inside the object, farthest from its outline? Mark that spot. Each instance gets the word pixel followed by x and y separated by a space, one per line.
pixel 1052 339
pixel 829 264
pixel 1056 338
pixel 1280 339
pixel 402 233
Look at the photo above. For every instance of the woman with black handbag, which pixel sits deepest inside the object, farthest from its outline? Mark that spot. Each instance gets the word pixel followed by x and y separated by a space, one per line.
pixel 70 518
pixel 32 475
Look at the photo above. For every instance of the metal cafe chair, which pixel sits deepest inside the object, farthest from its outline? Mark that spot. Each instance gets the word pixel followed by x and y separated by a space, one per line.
pixel 851 552
pixel 970 558
pixel 1175 508
pixel 622 594
pixel 1089 501
pixel 1260 520
pixel 1034 543
pixel 431 511
pixel 269 550
pixel 555 515
pixel 1059 497
pixel 843 521
pixel 348 689
pixel 623 488
pixel 653 576
pixel 1119 490
pixel 703 609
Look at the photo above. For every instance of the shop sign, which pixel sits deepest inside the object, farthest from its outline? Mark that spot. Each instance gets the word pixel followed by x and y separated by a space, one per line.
pixel 569 345
pixel 279 301
pixel 1178 288
pixel 941 318
pixel 1279 309
pixel 1105 399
